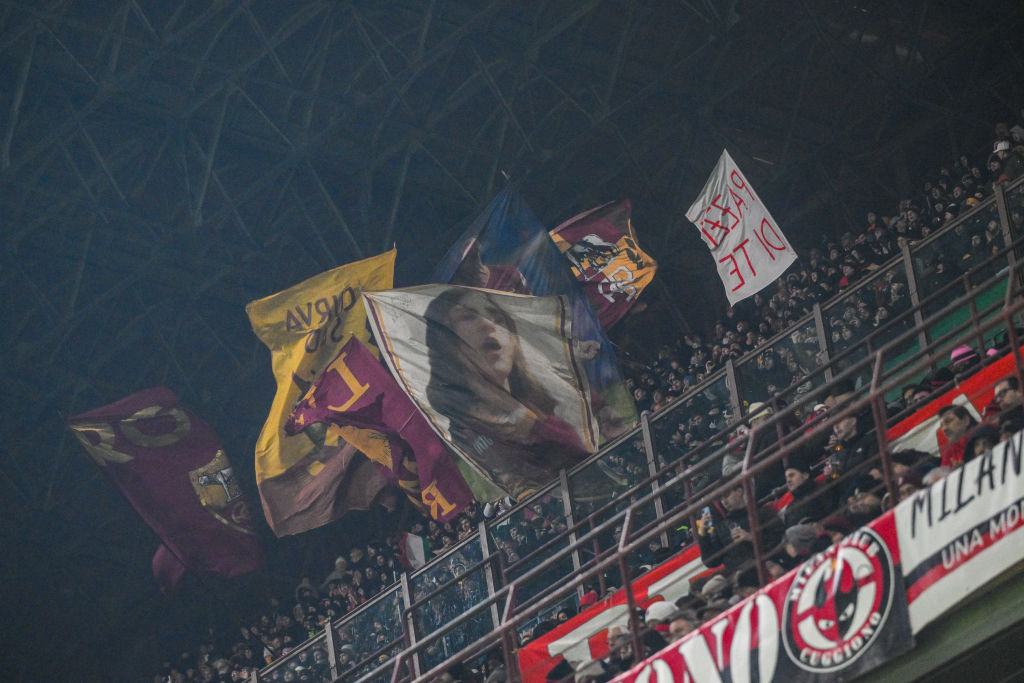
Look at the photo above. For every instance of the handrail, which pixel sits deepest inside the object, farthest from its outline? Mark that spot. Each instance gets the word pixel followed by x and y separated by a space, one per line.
pixel 627 545
pixel 599 562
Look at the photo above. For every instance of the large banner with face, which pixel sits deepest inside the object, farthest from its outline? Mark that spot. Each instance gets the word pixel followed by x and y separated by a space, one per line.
pixel 497 375
pixel 303 483
pixel 744 239
pixel 508 249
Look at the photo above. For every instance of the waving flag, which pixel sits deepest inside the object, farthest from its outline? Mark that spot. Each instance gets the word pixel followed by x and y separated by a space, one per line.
pixel 496 374
pixel 170 466
pixel 357 397
pixel 305 484
pixel 606 259
pixel 506 248
pixel 744 239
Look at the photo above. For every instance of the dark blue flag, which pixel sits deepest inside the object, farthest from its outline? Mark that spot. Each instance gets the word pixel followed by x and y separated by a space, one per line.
pixel 508 249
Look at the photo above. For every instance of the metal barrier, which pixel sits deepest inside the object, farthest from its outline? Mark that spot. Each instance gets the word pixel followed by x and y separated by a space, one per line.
pixel 646 486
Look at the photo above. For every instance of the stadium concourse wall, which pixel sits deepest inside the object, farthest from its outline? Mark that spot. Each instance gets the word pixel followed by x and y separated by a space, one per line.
pixel 611 510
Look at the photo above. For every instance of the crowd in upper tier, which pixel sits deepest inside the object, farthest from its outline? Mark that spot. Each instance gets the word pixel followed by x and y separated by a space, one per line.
pixel 806 513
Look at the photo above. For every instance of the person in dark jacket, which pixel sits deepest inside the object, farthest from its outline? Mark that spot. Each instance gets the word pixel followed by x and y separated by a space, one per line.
pixel 723 532
pixel 855 444
pixel 811 500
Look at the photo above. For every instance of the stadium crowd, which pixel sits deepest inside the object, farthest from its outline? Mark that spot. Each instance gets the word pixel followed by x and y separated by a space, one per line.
pixel 801 511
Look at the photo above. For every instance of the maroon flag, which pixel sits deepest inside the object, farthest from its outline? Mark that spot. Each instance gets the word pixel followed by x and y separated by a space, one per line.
pixel 170 466
pixel 606 259
pixel 357 397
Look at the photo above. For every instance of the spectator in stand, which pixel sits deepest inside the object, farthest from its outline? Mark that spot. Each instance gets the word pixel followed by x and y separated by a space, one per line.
pixel 864 503
pixel 1011 163
pixel 964 361
pixel 980 441
pixel 854 445
pixel 657 617
pixel 801 541
pixel 811 500
pixel 1008 396
pixel 956 422
pixel 682 624
pixel 723 531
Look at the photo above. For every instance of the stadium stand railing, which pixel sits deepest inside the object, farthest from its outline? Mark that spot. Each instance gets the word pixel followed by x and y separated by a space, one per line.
pixel 642 489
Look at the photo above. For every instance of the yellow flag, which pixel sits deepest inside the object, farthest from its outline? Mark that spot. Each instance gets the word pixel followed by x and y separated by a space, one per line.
pixel 304 327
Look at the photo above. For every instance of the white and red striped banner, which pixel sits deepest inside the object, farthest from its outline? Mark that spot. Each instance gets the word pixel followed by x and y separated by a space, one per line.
pixel 585 636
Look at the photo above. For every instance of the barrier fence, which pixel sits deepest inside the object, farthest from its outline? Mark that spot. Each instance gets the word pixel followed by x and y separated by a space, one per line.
pixel 648 488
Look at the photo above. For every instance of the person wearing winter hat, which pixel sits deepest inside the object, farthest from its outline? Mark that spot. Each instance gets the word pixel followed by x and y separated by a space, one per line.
pixel 589 598
pixel 1012 165
pixel 980 441
pixel 837 527
pixel 963 359
pixel 658 615
pixel 798 539
pixel 810 498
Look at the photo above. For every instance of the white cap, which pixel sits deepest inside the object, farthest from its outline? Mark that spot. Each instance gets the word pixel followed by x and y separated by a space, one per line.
pixel 659 611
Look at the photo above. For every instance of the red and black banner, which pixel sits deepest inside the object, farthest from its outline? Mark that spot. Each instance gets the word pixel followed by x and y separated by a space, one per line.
pixel 839 615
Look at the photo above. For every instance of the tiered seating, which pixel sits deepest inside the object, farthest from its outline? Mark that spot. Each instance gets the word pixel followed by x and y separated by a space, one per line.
pixel 649 484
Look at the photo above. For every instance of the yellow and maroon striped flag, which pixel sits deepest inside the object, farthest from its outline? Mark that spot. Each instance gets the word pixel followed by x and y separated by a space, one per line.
pixel 304 483
pixel 356 396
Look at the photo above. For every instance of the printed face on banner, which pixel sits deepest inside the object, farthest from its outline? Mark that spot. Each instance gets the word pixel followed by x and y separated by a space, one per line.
pixel 744 239
pixel 495 374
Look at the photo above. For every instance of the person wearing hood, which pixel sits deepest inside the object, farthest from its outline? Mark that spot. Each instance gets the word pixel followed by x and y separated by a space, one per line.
pixel 811 500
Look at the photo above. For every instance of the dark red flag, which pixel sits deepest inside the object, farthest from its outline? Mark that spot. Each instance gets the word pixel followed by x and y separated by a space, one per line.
pixel 356 395
pixel 606 259
pixel 169 464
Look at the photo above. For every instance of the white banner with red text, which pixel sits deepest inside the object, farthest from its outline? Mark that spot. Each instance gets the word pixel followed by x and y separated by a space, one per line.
pixel 744 239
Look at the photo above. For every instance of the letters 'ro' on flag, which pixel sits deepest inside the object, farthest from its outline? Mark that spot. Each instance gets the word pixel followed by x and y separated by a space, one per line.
pixel 497 376
pixel 358 397
pixel 305 484
pixel 170 466
pixel 744 239
pixel 606 259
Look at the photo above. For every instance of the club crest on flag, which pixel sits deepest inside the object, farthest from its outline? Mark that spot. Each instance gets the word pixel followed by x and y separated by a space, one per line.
pixel 220 493
pixel 607 261
pixel 148 427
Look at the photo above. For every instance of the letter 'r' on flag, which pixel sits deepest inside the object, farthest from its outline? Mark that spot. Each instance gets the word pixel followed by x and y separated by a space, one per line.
pixel 747 244
pixel 306 483
pixel 170 466
pixel 356 396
